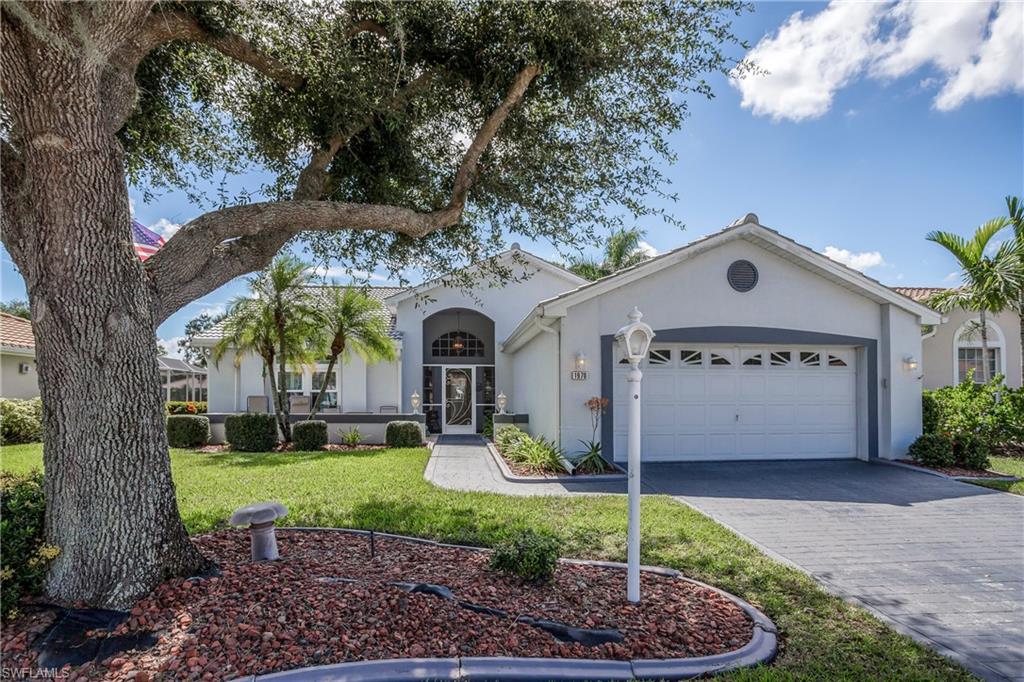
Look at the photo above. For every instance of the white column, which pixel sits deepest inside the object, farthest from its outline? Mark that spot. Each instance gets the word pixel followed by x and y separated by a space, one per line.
pixel 633 486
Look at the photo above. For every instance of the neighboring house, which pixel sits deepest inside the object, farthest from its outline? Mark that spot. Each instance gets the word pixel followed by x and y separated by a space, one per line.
pixel 181 380
pixel 764 349
pixel 17 358
pixel 953 348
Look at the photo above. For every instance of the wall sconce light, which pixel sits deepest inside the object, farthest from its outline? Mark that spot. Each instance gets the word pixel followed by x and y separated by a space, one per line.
pixel 909 363
pixel 581 361
pixel 502 403
pixel 414 400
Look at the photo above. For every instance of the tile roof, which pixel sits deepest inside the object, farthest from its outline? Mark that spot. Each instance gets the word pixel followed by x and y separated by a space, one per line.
pixel 917 293
pixel 16 332
pixel 379 294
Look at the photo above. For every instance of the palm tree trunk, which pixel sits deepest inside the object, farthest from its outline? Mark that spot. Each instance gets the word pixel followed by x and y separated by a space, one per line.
pixel 323 388
pixel 1020 319
pixel 283 408
pixel 984 346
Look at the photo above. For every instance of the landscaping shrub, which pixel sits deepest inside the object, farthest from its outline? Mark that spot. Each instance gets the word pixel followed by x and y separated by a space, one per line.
pixel 187 431
pixel 186 407
pixel 310 434
pixel 532 555
pixel 403 435
pixel 971 452
pixel 508 437
pixel 352 437
pixel 533 453
pixel 25 555
pixel 990 411
pixel 251 432
pixel 21 421
pixel 933 449
pixel 590 460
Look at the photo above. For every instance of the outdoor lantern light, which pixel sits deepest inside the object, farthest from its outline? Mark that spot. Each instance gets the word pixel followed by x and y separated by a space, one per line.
pixel 458 344
pixel 634 339
pixel 581 360
pixel 910 363
pixel 502 403
pixel 414 400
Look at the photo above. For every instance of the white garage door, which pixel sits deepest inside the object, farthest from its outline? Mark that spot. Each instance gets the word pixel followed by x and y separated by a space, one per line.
pixel 704 402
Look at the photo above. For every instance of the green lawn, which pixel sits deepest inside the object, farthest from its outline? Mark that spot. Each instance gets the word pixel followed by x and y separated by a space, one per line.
pixel 1005 465
pixel 824 637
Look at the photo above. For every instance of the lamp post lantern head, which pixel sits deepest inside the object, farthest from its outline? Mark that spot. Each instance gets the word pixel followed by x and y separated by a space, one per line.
pixel 414 400
pixel 502 403
pixel 635 338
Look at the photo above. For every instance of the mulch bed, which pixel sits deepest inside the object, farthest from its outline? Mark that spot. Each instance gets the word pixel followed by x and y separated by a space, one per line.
pixel 957 472
pixel 257 618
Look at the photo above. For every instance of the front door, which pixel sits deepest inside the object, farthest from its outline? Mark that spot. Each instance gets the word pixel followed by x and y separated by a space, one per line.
pixel 459 413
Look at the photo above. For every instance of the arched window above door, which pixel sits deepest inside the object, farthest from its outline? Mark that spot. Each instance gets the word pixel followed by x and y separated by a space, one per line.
pixel 457 344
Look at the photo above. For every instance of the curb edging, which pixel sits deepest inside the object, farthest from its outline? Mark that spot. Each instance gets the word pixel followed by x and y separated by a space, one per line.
pixel 932 472
pixel 760 650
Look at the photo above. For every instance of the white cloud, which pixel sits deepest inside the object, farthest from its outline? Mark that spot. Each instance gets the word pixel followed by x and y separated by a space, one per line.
pixel 171 346
pixel 862 261
pixel 647 249
pixel 951 277
pixel 343 272
pixel 976 52
pixel 808 60
pixel 165 228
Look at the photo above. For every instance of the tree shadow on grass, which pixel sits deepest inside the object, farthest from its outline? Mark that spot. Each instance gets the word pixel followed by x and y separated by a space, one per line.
pixel 263 459
pixel 445 523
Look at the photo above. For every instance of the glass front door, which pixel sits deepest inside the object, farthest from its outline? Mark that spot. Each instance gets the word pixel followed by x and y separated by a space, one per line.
pixel 459 415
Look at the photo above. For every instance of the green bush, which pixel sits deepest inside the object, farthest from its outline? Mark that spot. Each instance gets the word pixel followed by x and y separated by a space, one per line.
pixel 933 449
pixel 990 411
pixel 310 434
pixel 25 555
pixel 533 453
pixel 186 407
pixel 21 421
pixel 971 452
pixel 590 460
pixel 251 432
pixel 403 435
pixel 532 555
pixel 187 431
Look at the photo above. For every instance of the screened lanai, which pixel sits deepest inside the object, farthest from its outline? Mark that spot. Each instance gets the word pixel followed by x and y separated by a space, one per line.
pixel 181 380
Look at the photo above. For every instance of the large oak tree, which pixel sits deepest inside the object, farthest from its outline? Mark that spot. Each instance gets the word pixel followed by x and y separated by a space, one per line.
pixel 397 133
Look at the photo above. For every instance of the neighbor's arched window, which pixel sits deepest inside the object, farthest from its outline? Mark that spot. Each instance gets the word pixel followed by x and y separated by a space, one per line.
pixel 457 345
pixel 968 352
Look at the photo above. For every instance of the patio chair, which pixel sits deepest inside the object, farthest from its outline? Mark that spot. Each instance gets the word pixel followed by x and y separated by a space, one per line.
pixel 257 404
pixel 298 403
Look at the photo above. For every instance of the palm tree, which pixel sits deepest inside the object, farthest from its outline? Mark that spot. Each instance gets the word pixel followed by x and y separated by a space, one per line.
pixel 278 321
pixel 353 322
pixel 989 281
pixel 1015 211
pixel 622 250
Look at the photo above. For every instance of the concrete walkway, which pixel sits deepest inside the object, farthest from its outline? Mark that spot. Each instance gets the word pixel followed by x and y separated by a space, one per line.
pixel 939 560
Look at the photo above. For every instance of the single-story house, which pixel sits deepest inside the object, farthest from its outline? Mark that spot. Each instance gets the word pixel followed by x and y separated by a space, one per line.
pixel 181 380
pixel 17 358
pixel 953 348
pixel 764 349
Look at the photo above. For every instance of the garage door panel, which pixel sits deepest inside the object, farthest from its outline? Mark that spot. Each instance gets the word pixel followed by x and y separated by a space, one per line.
pixel 803 406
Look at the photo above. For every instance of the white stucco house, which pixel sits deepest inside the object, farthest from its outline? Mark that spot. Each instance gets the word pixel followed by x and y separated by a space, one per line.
pixel 764 349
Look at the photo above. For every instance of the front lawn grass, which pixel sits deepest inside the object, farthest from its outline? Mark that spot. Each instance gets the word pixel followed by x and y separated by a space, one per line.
pixel 1005 465
pixel 824 638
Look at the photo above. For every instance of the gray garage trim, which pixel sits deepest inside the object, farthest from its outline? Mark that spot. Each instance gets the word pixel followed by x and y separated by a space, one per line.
pixel 764 335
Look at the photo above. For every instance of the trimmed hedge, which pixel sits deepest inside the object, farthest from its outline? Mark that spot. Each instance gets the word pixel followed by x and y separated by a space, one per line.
pixel 310 434
pixel 971 452
pixel 251 432
pixel 187 431
pixel 933 449
pixel 532 555
pixel 21 421
pixel 25 556
pixel 400 434
pixel 186 407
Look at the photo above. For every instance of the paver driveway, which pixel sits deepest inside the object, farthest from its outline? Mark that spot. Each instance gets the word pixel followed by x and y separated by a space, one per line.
pixel 940 560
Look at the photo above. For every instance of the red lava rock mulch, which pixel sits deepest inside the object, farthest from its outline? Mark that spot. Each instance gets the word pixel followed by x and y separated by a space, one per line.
pixel 957 472
pixel 262 617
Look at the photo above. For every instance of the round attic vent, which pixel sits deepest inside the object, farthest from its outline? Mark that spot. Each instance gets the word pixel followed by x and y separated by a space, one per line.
pixel 742 275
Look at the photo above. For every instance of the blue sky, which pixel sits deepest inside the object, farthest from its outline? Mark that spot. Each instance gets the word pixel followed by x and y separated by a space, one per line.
pixel 875 124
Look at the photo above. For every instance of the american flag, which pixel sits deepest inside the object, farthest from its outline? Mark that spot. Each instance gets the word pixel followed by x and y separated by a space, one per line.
pixel 147 242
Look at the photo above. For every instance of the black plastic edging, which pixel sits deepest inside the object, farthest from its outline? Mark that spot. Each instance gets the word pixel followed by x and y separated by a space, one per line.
pixel 760 650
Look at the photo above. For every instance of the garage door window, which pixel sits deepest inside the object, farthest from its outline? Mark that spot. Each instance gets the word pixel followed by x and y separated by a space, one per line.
pixel 753 358
pixel 781 358
pixel 719 360
pixel 836 361
pixel 691 358
pixel 659 357
pixel 810 359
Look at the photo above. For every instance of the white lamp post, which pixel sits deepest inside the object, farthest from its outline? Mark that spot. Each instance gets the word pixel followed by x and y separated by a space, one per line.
pixel 502 403
pixel 414 400
pixel 634 339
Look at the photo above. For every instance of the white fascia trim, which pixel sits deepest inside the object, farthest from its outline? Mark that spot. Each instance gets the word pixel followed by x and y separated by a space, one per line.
pixel 533 260
pixel 18 350
pixel 528 327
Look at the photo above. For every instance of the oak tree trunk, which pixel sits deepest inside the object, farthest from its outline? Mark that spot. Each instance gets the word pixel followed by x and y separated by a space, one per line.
pixel 111 506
